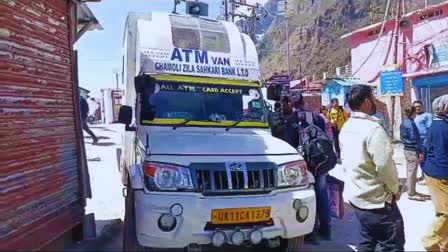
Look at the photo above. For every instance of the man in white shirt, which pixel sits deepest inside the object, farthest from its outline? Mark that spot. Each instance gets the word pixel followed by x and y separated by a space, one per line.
pixel 93 107
pixel 371 180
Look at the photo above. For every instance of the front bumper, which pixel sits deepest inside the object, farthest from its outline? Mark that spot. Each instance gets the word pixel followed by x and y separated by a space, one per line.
pixel 190 228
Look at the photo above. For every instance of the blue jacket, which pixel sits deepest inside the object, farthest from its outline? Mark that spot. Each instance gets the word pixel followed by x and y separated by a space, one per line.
pixel 410 136
pixel 436 164
pixel 423 122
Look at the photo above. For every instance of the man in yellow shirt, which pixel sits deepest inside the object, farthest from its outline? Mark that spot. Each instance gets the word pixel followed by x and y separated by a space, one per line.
pixel 337 117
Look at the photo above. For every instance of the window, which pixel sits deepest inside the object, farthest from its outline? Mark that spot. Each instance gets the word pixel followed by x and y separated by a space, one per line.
pixel 186 38
pixel 431 14
pixel 205 102
pixel 374 32
pixel 199 34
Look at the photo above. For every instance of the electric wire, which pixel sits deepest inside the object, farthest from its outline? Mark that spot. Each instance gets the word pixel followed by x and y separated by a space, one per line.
pixel 378 40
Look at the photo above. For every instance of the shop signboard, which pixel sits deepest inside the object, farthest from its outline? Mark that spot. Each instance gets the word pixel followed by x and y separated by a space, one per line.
pixel 391 83
pixel 283 80
pixel 439 55
pixel 198 63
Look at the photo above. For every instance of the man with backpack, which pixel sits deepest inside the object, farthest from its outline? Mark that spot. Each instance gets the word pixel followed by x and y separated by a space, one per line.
pixel 305 130
pixel 337 117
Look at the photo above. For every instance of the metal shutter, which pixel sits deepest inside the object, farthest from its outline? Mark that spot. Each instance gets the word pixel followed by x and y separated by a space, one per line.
pixel 39 157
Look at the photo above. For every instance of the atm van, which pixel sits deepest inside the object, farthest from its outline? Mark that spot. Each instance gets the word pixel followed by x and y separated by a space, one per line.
pixel 199 165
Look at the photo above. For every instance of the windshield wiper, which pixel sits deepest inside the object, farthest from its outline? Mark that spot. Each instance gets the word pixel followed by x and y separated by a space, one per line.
pixel 237 123
pixel 234 125
pixel 189 120
pixel 182 123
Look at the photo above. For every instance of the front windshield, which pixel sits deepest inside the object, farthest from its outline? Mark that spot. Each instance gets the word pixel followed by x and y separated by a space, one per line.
pixel 205 102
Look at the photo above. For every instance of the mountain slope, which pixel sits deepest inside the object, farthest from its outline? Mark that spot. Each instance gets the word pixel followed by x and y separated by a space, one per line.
pixel 315 28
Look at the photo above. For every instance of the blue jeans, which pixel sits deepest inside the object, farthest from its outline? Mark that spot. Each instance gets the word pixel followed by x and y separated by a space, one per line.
pixel 323 218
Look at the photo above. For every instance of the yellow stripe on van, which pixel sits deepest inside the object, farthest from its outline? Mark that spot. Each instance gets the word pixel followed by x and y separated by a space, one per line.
pixel 203 80
pixel 163 121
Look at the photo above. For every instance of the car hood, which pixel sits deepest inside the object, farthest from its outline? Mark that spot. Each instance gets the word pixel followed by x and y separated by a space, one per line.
pixel 256 142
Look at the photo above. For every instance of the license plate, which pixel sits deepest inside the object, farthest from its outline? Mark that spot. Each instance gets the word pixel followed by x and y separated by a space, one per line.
pixel 241 215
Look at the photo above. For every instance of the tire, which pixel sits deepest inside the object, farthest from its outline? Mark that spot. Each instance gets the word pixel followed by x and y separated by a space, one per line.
pixel 292 245
pixel 130 242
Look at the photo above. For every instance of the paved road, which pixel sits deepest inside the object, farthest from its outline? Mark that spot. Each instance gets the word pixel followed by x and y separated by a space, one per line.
pixel 108 204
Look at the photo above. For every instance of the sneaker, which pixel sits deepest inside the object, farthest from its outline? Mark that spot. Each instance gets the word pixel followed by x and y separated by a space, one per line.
pixel 423 182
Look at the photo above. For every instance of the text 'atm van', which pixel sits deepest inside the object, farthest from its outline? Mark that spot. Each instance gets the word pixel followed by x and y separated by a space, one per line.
pixel 199 163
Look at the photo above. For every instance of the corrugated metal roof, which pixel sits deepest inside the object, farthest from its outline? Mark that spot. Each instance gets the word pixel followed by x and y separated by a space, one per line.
pixel 39 151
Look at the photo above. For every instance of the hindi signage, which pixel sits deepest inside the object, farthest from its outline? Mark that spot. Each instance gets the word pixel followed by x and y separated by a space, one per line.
pixel 391 83
pixel 439 54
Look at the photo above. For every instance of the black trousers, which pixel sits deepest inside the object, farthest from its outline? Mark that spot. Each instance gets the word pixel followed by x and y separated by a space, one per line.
pixel 383 227
pixel 87 129
pixel 336 141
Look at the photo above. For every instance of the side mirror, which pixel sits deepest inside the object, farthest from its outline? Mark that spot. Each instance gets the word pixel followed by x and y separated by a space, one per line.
pixel 125 117
pixel 273 93
pixel 140 82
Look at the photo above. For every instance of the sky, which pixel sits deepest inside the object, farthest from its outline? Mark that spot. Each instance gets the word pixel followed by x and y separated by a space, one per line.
pixel 100 52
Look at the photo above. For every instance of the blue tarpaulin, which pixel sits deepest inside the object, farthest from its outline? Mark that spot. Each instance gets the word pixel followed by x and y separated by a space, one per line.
pixel 438 80
pixel 337 88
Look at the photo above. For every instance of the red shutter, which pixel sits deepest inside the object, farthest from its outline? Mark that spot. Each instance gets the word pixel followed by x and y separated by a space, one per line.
pixel 39 152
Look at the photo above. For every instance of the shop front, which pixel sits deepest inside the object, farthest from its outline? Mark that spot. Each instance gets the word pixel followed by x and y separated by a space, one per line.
pixel 429 86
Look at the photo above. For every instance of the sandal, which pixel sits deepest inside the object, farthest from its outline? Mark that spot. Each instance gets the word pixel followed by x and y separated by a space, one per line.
pixel 416 198
pixel 425 196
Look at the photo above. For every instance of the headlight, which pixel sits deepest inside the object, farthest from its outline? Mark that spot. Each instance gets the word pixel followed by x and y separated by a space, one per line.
pixel 292 174
pixel 167 177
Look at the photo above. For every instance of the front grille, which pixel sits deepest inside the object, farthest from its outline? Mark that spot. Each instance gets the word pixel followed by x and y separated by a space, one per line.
pixel 261 179
pixel 203 178
pixel 221 180
pixel 215 178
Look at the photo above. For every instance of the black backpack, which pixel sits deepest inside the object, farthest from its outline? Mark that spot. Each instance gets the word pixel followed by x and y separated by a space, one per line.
pixel 317 148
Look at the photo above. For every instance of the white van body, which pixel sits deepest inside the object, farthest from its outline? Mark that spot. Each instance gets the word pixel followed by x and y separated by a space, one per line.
pixel 203 152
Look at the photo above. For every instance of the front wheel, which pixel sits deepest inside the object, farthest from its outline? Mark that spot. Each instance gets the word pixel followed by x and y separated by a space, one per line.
pixel 292 245
pixel 130 242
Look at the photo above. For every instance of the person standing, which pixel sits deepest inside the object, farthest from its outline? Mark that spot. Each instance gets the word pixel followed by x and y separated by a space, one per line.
pixel 84 113
pixel 93 107
pixel 293 137
pixel 371 179
pixel 436 175
pixel 286 107
pixel 323 112
pixel 410 137
pixel 423 121
pixel 337 117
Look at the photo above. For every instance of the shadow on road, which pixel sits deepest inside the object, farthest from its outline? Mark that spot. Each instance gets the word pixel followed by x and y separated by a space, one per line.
pixel 105 144
pixel 99 137
pixel 109 237
pixel 345 237
pixel 344 234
